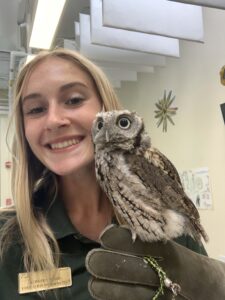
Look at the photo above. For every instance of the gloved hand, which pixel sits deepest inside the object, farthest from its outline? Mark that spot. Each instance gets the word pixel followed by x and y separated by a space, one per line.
pixel 119 271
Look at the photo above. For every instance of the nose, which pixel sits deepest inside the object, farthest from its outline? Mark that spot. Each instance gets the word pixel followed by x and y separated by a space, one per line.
pixel 56 117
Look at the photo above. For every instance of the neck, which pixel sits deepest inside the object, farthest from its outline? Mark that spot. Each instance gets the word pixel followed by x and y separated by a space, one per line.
pixel 87 206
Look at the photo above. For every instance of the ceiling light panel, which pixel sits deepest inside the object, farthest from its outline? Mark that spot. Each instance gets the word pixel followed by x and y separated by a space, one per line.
pixel 46 19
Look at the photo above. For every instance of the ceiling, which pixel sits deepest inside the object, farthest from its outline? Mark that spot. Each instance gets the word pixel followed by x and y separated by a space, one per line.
pixel 16 18
pixel 14 13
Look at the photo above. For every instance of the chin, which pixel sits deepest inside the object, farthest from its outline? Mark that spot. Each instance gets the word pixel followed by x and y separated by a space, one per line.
pixel 73 169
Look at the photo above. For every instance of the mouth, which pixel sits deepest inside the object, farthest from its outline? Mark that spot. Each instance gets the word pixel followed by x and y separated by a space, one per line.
pixel 65 144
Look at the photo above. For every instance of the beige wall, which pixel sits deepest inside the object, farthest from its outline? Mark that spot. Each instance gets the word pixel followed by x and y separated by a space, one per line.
pixel 198 138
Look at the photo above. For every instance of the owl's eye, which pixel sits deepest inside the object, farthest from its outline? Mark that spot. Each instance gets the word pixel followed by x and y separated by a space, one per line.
pixel 100 125
pixel 124 123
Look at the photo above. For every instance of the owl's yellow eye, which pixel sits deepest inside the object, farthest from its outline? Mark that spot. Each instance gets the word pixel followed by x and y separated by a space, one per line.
pixel 124 123
pixel 100 124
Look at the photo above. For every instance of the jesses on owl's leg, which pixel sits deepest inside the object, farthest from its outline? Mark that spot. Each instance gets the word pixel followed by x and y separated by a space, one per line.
pixel 133 233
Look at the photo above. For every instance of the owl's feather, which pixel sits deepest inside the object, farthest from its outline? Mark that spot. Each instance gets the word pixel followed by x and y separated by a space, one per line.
pixel 160 160
pixel 143 186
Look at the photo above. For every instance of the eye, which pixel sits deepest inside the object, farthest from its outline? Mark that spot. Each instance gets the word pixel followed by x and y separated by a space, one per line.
pixel 74 101
pixel 100 124
pixel 34 111
pixel 124 123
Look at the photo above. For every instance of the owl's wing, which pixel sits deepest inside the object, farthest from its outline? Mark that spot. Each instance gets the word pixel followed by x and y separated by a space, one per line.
pixel 163 180
pixel 161 161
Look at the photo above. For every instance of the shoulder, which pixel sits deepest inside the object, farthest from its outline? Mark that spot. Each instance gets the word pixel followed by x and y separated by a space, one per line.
pixel 9 232
pixel 8 223
pixel 7 214
pixel 188 242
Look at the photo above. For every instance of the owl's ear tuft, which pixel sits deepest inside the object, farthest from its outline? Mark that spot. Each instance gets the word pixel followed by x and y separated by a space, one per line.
pixel 133 113
pixel 145 140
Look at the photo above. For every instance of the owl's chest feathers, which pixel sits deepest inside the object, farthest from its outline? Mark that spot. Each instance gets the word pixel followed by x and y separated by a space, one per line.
pixel 123 187
pixel 110 167
pixel 140 206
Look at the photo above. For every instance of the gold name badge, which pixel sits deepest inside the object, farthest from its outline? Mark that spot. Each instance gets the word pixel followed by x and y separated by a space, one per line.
pixel 44 280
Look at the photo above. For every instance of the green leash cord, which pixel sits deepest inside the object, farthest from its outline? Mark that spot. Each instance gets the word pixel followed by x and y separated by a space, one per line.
pixel 164 281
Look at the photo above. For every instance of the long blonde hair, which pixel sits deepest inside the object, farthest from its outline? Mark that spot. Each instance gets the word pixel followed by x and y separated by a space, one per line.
pixel 40 250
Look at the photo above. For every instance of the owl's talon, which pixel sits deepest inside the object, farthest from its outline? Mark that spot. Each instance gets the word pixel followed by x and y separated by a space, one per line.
pixel 133 233
pixel 134 236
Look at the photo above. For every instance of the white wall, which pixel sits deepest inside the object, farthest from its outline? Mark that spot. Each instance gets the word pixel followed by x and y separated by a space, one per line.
pixel 198 137
pixel 5 173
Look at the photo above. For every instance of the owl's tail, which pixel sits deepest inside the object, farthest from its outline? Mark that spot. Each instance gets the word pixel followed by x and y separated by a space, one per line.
pixel 199 231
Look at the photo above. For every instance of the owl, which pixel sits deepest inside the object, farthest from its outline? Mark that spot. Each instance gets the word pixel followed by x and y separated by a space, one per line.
pixel 142 184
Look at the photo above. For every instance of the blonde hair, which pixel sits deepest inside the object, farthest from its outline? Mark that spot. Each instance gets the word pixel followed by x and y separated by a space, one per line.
pixel 41 250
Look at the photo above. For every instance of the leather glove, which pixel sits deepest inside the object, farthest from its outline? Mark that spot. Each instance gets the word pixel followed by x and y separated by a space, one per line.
pixel 119 270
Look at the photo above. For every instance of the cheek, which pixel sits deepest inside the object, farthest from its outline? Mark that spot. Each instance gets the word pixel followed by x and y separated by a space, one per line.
pixel 88 119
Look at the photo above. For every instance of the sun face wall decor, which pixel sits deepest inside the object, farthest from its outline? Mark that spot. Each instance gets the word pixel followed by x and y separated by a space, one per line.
pixel 165 112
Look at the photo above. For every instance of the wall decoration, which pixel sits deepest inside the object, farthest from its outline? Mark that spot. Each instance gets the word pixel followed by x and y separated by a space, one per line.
pixel 222 75
pixel 8 202
pixel 165 112
pixel 222 107
pixel 196 185
pixel 8 164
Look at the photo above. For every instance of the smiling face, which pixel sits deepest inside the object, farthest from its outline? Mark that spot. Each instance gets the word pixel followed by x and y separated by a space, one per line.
pixel 59 105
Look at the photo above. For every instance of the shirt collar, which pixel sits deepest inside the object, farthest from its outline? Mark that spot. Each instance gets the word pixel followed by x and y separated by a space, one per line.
pixel 56 216
pixel 59 221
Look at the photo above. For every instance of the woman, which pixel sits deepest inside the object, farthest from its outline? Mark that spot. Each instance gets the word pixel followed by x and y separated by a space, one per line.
pixel 60 210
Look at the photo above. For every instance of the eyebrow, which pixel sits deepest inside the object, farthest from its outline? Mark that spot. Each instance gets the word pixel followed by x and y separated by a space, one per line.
pixel 31 96
pixel 61 89
pixel 72 84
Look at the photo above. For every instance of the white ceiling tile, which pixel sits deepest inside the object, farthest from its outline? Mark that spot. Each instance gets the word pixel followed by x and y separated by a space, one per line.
pixel 161 17
pixel 125 66
pixel 130 40
pixel 209 3
pixel 104 53
pixel 120 74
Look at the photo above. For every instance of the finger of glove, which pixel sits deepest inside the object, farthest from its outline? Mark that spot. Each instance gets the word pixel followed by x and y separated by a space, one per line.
pixel 108 290
pixel 119 238
pixel 120 267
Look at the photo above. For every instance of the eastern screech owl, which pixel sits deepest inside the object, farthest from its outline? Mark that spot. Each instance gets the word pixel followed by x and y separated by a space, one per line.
pixel 142 184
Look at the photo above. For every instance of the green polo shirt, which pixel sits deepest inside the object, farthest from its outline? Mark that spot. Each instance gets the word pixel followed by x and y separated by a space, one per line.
pixel 74 249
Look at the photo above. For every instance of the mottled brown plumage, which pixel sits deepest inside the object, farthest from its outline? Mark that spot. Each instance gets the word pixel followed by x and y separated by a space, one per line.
pixel 142 184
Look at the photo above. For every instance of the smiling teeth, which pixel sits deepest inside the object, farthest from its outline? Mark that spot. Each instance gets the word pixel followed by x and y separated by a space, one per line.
pixel 64 144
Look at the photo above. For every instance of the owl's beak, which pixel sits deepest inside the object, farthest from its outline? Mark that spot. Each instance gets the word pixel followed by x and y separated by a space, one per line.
pixel 106 136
